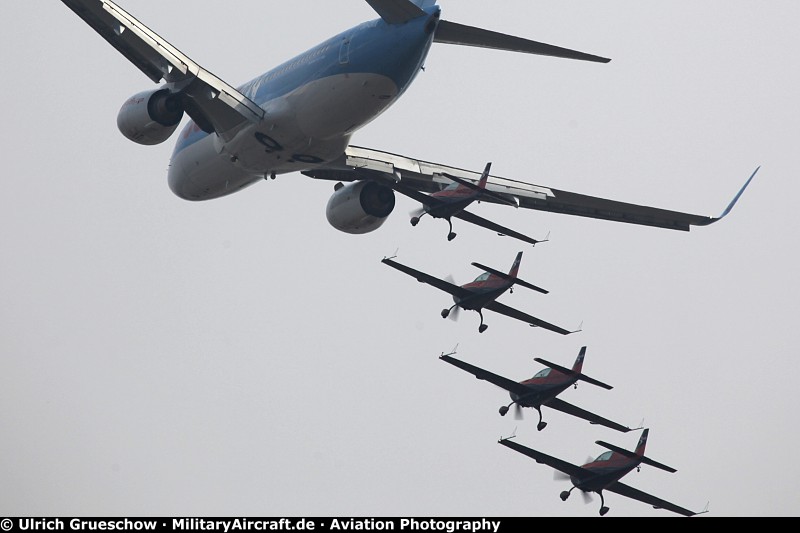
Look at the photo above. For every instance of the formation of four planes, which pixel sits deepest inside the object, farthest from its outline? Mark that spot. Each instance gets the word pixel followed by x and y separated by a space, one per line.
pixel 300 117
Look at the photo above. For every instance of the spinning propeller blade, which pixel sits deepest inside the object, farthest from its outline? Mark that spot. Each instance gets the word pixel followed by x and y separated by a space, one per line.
pixel 558 475
pixel 416 213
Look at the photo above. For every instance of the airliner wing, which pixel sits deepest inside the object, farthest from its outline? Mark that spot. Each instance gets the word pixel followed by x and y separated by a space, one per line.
pixel 212 103
pixel 636 494
pixel 497 307
pixel 485 375
pixel 558 464
pixel 422 277
pixel 564 407
pixel 359 163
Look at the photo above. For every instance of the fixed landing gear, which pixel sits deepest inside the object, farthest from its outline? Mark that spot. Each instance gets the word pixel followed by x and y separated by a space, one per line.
pixel 541 425
pixel 446 312
pixel 483 327
pixel 414 221
pixel 503 410
pixel 603 508
pixel 452 234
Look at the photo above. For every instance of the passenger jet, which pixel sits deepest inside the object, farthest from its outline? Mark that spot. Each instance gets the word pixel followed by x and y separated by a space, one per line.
pixel 300 117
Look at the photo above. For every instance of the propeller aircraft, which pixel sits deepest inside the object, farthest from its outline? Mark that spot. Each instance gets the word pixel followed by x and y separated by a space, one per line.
pixel 605 472
pixel 542 389
pixel 300 117
pixel 483 292
pixel 453 200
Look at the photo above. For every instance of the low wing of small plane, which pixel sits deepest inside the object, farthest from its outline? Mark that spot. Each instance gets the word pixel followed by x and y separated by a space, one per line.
pixel 481 294
pixel 394 171
pixel 604 473
pixel 541 390
pixel 453 200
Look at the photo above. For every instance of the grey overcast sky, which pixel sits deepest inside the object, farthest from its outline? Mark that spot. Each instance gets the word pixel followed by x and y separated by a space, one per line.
pixel 242 357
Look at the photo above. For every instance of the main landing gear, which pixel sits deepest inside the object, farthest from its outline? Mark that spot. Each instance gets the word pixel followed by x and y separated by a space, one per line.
pixel 603 509
pixel 541 425
pixel 483 327
pixel 452 234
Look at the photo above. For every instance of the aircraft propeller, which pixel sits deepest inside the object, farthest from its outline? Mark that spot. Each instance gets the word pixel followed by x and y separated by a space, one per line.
pixel 455 312
pixel 561 476
pixel 517 412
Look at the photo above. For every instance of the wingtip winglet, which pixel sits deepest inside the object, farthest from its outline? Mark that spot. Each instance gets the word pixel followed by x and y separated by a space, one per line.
pixel 736 198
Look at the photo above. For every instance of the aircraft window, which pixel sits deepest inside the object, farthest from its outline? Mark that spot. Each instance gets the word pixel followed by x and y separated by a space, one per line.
pixel 543 373
pixel 483 277
pixel 451 187
pixel 604 457
pixel 344 51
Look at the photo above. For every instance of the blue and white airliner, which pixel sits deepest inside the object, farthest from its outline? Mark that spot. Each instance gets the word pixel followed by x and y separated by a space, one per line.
pixel 301 115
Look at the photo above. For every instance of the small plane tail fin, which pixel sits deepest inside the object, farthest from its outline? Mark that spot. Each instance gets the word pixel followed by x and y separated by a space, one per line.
pixel 642 442
pixel 579 360
pixel 485 176
pixel 515 266
pixel 453 33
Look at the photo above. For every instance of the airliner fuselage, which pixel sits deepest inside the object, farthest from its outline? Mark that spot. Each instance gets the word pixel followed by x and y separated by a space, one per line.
pixel 313 103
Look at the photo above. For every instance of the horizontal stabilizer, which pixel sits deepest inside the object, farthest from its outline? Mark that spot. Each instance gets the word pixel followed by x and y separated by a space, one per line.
pixel 454 33
pixel 648 461
pixel 626 453
pixel 483 191
pixel 505 276
pixel 616 449
pixel 570 372
pixel 396 11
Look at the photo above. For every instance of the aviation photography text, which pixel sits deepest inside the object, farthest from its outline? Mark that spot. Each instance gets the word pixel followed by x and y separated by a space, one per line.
pixel 230 525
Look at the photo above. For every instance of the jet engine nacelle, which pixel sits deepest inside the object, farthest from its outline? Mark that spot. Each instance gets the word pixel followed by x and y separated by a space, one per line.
pixel 360 207
pixel 150 117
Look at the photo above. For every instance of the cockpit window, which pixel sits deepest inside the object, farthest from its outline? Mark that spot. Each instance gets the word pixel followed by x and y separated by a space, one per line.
pixel 605 457
pixel 543 373
pixel 483 277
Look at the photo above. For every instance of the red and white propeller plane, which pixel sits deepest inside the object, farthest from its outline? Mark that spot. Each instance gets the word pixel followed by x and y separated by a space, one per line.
pixel 483 292
pixel 604 473
pixel 542 389
pixel 453 200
